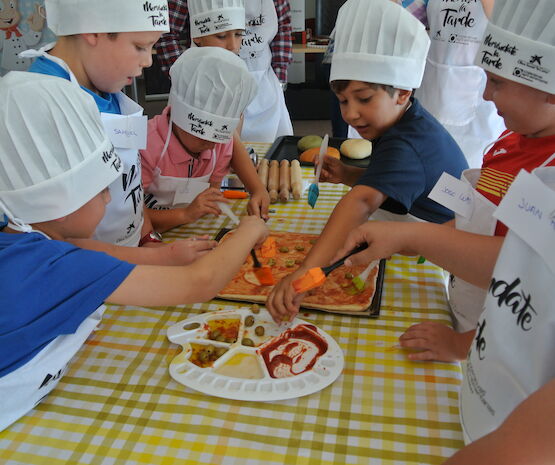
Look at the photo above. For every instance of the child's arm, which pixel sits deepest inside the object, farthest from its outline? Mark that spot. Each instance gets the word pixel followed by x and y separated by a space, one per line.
pixel 351 211
pixel 241 163
pixel 469 256
pixel 203 204
pixel 337 172
pixel 176 253
pixel 524 438
pixel 198 282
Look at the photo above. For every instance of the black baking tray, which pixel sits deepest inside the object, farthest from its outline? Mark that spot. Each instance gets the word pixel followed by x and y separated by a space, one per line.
pixel 285 148
pixel 373 311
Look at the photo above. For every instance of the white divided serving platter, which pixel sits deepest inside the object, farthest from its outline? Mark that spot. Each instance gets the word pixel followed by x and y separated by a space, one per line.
pixel 266 388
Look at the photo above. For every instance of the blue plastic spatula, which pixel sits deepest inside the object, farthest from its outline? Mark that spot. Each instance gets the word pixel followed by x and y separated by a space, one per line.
pixel 313 190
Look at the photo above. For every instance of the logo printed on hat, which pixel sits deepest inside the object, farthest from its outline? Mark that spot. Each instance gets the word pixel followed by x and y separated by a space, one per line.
pixel 519 43
pixel 494 57
pixel 159 13
pixel 111 158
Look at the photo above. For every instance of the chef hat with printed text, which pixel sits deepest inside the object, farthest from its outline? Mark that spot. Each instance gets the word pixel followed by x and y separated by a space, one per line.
pixel 54 153
pixel 212 16
pixel 379 42
pixel 68 17
pixel 211 88
pixel 519 43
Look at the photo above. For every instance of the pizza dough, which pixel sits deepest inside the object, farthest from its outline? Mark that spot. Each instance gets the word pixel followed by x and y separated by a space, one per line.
pixel 337 294
pixel 356 148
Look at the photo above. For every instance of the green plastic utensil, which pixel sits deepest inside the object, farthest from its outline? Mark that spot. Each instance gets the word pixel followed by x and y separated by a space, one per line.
pixel 360 281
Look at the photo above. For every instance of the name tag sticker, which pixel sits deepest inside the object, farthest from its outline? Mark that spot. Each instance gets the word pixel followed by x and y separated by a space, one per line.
pixel 453 194
pixel 528 209
pixel 128 132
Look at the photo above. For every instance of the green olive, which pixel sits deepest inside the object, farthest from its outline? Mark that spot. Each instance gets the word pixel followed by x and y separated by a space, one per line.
pixel 259 330
pixel 290 263
pixel 210 349
pixel 271 262
pixel 247 342
pixel 284 249
pixel 191 326
pixel 220 338
pixel 344 285
pixel 230 340
pixel 203 356
pixel 299 247
pixel 312 241
pixel 220 351
pixel 349 275
pixel 215 334
pixel 255 308
pixel 249 321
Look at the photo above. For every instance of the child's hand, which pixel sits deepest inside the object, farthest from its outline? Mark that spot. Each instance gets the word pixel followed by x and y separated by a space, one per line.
pixel 283 302
pixel 204 204
pixel 384 238
pixel 256 225
pixel 187 251
pixel 436 341
pixel 258 204
pixel 333 170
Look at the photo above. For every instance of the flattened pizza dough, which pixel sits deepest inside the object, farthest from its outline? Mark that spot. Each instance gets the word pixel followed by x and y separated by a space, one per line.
pixel 337 294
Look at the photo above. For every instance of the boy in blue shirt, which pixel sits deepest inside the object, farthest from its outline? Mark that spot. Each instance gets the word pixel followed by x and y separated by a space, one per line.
pixel 56 164
pixel 102 46
pixel 379 56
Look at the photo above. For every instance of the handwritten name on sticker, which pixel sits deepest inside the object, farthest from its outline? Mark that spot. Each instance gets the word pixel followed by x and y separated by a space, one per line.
pixel 453 194
pixel 527 209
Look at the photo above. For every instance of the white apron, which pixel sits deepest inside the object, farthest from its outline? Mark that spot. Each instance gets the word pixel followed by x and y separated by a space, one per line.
pixel 512 353
pixel 123 220
pixel 22 389
pixel 266 117
pixel 171 191
pixel 452 86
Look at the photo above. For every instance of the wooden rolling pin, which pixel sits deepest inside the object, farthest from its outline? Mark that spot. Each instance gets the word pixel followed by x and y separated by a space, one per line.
pixel 284 181
pixel 296 179
pixel 273 181
pixel 263 171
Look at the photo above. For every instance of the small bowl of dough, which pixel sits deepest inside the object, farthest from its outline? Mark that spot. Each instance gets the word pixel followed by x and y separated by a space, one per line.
pixel 357 149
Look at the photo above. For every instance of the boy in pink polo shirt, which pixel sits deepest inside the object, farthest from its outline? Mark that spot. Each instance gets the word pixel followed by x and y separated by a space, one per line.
pixel 190 144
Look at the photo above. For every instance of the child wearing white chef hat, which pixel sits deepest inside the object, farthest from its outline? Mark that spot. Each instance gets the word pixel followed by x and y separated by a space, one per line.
pixel 56 165
pixel 516 53
pixel 191 144
pixel 378 58
pixel 217 23
pixel 507 393
pixel 102 46
pixel 221 23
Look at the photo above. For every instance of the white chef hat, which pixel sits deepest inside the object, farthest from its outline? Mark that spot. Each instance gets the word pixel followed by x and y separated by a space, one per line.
pixel 211 87
pixel 54 153
pixel 519 43
pixel 213 16
pixel 67 17
pixel 379 42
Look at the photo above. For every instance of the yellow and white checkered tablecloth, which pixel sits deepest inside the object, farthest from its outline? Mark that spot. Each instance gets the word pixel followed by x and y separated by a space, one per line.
pixel 118 405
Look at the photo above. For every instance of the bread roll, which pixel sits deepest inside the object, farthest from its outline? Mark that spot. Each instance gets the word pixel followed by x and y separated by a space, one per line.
pixel 284 181
pixel 263 167
pixel 273 181
pixel 356 148
pixel 296 179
